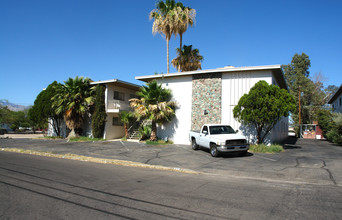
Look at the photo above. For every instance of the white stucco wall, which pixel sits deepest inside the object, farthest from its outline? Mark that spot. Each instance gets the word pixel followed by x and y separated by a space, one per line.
pixel 178 129
pixel 51 131
pixel 109 97
pixel 234 85
pixel 111 131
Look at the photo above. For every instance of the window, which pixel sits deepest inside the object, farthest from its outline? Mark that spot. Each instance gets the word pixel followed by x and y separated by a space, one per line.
pixel 133 96
pixel 205 128
pixel 221 130
pixel 117 121
pixel 119 95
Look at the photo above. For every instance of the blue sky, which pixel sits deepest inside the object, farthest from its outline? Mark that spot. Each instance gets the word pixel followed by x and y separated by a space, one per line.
pixel 42 41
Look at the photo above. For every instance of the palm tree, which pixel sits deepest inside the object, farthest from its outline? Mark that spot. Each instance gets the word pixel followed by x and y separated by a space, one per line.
pixel 188 59
pixel 126 117
pixel 185 16
pixel 73 101
pixel 154 105
pixel 164 22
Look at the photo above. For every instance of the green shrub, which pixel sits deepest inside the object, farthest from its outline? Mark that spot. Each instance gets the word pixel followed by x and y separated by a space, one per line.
pixel 159 142
pixel 334 136
pixel 262 148
pixel 82 138
pixel 331 124
pixel 99 116
pixel 53 137
pixel 145 132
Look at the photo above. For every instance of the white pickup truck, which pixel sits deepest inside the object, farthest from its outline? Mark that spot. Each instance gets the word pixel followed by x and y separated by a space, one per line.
pixel 218 138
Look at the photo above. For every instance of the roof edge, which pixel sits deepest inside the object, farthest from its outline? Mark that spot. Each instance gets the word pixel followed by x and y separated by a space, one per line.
pixel 228 69
pixel 336 94
pixel 114 81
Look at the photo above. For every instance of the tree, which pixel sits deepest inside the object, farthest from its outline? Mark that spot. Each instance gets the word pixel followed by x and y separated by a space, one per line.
pixel 309 92
pixel 34 119
pixel 187 59
pixel 330 91
pixel 20 119
pixel 165 22
pixel 126 117
pixel 331 124
pixel 73 101
pixel 43 109
pixel 5 115
pixel 99 116
pixel 185 16
pixel 154 105
pixel 325 120
pixel 263 107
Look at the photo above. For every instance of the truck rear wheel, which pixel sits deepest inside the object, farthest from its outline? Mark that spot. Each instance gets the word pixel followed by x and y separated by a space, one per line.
pixel 194 145
pixel 213 150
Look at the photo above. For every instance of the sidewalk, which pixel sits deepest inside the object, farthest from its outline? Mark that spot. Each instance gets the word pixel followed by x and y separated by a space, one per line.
pixel 22 136
pixel 304 162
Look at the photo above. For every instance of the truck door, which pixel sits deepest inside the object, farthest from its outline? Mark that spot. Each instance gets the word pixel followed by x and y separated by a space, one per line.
pixel 204 137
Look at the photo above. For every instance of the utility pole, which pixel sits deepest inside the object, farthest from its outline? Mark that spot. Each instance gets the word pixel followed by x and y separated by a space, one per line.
pixel 300 109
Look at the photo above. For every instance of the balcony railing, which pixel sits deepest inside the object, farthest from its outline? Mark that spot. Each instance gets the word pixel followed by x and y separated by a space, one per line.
pixel 117 105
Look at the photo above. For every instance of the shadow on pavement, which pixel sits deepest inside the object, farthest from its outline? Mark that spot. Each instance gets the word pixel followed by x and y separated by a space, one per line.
pixel 290 143
pixel 229 154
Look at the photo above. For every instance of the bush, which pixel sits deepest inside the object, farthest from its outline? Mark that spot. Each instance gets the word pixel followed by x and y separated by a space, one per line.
pixel 145 132
pixel 99 116
pixel 333 132
pixel 53 137
pixel 159 142
pixel 262 148
pixel 82 138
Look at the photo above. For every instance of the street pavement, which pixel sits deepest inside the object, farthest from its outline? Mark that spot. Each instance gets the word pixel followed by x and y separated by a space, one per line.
pixel 35 187
pixel 303 161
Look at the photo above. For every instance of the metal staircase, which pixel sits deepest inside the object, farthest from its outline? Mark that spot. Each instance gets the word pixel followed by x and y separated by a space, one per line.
pixel 134 129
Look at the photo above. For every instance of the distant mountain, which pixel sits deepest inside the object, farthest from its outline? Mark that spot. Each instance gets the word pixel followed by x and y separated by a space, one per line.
pixel 12 106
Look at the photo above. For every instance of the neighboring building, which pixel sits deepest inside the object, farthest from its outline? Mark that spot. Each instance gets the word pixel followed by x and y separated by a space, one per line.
pixel 336 100
pixel 117 94
pixel 209 96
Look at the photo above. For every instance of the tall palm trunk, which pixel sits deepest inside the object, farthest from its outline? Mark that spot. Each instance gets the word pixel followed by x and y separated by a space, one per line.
pixel 153 131
pixel 72 133
pixel 180 41
pixel 126 130
pixel 167 54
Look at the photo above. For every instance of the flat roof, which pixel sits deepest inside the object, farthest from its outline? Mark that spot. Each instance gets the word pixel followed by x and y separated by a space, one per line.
pixel 118 82
pixel 336 95
pixel 276 69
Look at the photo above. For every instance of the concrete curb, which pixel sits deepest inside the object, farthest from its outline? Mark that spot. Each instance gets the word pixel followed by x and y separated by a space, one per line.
pixel 99 160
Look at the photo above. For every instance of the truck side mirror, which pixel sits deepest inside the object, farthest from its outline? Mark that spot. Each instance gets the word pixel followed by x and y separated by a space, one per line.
pixel 237 131
pixel 205 132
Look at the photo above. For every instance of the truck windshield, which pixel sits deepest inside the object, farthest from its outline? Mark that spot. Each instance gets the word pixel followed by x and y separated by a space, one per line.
pixel 221 130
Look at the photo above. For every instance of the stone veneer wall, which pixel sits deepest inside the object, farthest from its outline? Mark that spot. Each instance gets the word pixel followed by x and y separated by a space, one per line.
pixel 206 95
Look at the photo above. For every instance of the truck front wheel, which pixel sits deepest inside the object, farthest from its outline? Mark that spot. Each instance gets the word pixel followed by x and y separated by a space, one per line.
pixel 194 145
pixel 213 150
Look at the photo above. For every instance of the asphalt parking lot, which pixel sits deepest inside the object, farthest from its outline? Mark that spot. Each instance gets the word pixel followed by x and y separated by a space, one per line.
pixel 304 161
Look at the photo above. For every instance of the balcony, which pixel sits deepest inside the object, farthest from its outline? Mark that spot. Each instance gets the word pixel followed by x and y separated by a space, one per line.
pixel 115 106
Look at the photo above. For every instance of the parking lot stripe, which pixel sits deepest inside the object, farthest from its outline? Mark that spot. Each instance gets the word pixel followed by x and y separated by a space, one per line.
pixel 124 145
pixel 266 158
